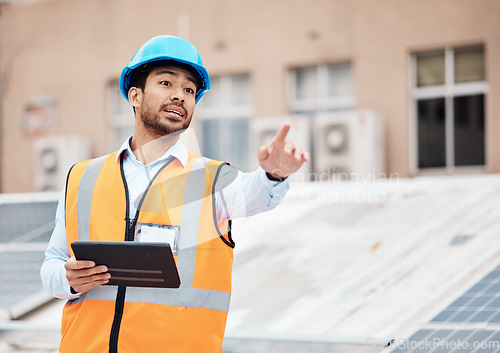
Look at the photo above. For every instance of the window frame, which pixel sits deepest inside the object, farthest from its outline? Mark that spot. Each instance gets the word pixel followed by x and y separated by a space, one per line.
pixel 322 102
pixel 226 112
pixel 449 90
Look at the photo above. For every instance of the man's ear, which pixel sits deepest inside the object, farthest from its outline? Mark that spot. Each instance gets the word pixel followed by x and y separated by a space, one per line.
pixel 135 96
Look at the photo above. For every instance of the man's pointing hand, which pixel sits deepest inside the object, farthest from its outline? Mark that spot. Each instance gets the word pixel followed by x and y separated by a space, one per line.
pixel 281 158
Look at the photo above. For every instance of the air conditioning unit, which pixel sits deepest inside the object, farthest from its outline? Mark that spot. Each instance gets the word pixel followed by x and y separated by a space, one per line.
pixel 54 156
pixel 348 145
pixel 265 128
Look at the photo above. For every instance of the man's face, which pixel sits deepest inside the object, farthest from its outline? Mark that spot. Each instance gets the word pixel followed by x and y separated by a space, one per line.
pixel 168 100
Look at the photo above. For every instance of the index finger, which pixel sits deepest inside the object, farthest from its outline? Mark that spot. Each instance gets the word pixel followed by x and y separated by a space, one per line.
pixel 281 134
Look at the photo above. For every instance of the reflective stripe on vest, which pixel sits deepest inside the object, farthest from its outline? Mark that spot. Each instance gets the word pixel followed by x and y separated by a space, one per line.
pixel 84 199
pixel 186 295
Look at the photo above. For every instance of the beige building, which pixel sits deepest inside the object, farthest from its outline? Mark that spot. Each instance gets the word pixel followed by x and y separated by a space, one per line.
pixel 423 71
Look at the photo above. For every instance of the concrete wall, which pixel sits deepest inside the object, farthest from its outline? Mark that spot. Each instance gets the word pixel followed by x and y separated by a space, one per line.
pixel 72 49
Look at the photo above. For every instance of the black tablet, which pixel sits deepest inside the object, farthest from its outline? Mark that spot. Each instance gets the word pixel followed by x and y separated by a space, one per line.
pixel 132 264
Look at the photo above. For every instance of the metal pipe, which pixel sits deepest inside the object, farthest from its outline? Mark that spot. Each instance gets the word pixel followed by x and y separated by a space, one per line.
pixel 259 336
pixel 28 326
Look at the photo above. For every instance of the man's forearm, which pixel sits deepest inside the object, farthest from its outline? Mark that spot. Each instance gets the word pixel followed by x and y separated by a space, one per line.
pixel 249 194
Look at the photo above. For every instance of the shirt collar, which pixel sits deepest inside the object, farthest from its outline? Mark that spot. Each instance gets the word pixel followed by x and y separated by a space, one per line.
pixel 178 150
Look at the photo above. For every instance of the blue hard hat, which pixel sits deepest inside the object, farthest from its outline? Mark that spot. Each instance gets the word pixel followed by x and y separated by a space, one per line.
pixel 171 49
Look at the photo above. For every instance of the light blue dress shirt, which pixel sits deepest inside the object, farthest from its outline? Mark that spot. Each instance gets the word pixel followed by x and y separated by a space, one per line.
pixel 248 194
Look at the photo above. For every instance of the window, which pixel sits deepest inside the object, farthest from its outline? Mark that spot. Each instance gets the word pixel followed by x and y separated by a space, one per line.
pixel 321 88
pixel 224 120
pixel 121 122
pixel 449 91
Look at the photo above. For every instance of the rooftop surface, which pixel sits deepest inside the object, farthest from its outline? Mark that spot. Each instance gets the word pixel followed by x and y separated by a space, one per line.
pixel 344 266
pixel 368 260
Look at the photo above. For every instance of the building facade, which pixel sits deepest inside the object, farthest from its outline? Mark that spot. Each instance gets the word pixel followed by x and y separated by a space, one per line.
pixel 425 69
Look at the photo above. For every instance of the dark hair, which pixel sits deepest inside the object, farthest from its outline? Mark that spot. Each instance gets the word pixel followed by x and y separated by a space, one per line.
pixel 139 80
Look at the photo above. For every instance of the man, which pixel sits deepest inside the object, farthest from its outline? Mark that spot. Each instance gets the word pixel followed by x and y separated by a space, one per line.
pixel 153 185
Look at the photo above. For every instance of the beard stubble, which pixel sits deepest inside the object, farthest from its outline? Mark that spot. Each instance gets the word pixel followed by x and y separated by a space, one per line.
pixel 158 126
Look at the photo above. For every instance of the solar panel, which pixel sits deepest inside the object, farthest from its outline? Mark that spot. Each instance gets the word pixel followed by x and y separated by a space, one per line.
pixel 23 279
pixel 450 341
pixel 30 220
pixel 481 303
pixel 25 229
pixel 456 330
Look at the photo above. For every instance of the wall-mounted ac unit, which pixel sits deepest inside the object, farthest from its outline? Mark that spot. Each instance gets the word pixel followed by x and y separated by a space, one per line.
pixel 265 128
pixel 349 145
pixel 54 156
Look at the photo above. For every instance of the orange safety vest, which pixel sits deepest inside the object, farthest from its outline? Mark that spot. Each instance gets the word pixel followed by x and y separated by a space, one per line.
pixel 191 318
